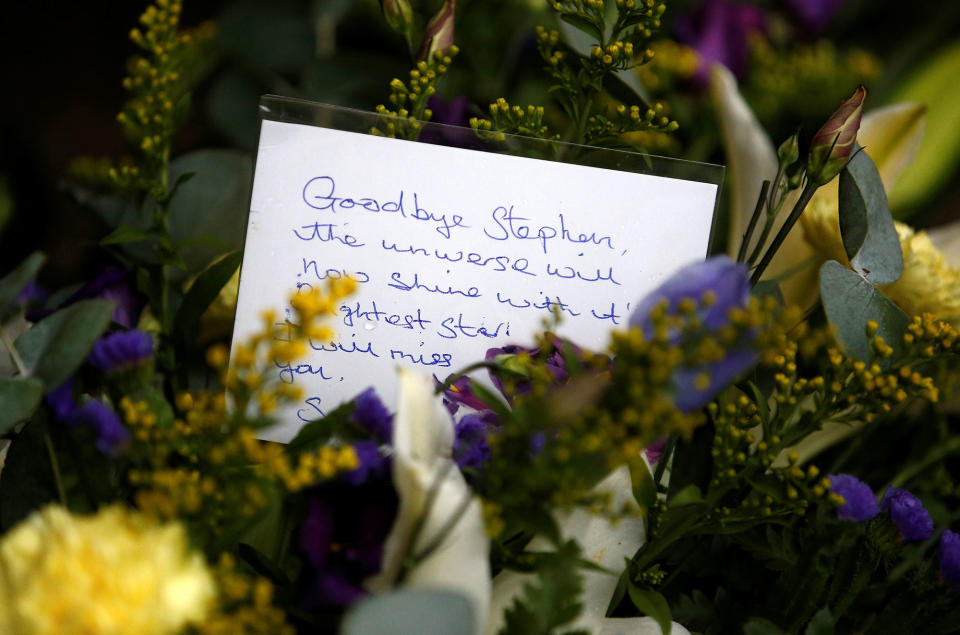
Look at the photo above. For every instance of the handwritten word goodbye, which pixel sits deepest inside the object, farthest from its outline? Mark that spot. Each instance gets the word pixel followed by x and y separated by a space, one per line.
pixel 318 193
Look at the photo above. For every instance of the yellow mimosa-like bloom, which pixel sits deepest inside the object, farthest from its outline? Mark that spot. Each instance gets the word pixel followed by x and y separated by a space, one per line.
pixel 116 571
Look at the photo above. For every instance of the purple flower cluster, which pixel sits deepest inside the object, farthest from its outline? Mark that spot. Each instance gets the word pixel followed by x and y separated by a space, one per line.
pixel 115 284
pixel 908 514
pixel 950 557
pixel 342 537
pixel 122 350
pixel 728 281
pixel 719 30
pixel 815 14
pixel 860 504
pixel 112 435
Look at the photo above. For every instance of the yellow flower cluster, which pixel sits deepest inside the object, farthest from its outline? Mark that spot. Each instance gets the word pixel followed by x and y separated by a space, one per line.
pixel 114 572
pixel 246 605
pixel 410 99
pixel 311 467
pixel 514 120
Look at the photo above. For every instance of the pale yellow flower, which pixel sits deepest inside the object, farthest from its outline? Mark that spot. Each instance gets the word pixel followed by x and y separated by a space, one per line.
pixel 113 572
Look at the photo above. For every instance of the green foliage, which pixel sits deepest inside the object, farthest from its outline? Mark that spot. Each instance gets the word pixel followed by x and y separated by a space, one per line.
pixel 408 101
pixel 13 283
pixel 412 611
pixel 20 396
pixel 850 302
pixel 55 346
pixel 869 236
pixel 553 599
pixel 651 603
pixel 579 81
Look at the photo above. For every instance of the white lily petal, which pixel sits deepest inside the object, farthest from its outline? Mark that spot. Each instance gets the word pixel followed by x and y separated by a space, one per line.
pixel 605 543
pixel 892 136
pixel 423 443
pixel 751 156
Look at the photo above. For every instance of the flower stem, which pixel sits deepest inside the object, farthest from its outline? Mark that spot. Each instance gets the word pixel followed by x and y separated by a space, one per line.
pixel 747 235
pixel 55 466
pixel 788 224
pixel 14 355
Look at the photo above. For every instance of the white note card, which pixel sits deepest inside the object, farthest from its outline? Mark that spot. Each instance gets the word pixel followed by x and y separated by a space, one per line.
pixel 455 251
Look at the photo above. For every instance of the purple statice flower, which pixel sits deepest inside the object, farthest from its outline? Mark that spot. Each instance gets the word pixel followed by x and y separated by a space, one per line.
pixel 61 401
pixel 372 416
pixel 121 350
pixel 861 504
pixel 470 446
pixel 814 14
pixel 372 463
pixel 112 435
pixel 654 451
pixel 719 30
pixel 729 283
pixel 115 284
pixel 908 514
pixel 950 557
pixel 342 538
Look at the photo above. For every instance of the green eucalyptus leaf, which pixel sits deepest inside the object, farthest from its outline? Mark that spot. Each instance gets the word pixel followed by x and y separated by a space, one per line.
pixel 126 234
pixel 585 25
pixel 850 301
pixel 653 604
pixel 59 343
pixel 821 624
pixel 212 204
pixel 201 294
pixel 761 626
pixel 421 611
pixel 26 483
pixel 869 237
pixel 20 396
pixel 13 283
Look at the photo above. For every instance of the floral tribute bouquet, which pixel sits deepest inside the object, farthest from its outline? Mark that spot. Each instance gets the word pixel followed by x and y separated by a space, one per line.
pixel 769 446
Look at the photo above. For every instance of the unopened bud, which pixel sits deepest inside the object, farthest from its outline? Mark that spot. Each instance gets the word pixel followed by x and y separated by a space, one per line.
pixel 834 143
pixel 438 34
pixel 398 13
pixel 789 151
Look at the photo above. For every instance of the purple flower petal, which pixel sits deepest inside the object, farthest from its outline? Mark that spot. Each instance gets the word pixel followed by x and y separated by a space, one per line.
pixel 719 31
pixel 112 435
pixel 372 464
pixel 690 396
pixel 908 514
pixel 61 401
pixel 815 14
pixel 950 557
pixel 470 446
pixel 861 504
pixel 373 417
pixel 655 450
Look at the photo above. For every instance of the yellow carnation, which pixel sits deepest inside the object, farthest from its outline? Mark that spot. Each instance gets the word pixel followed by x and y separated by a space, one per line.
pixel 113 572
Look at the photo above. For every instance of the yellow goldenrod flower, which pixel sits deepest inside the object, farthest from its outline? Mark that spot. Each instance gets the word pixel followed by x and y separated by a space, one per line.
pixel 114 572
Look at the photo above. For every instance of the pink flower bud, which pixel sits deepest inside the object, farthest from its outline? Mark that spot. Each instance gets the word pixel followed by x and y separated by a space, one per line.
pixel 438 35
pixel 834 143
